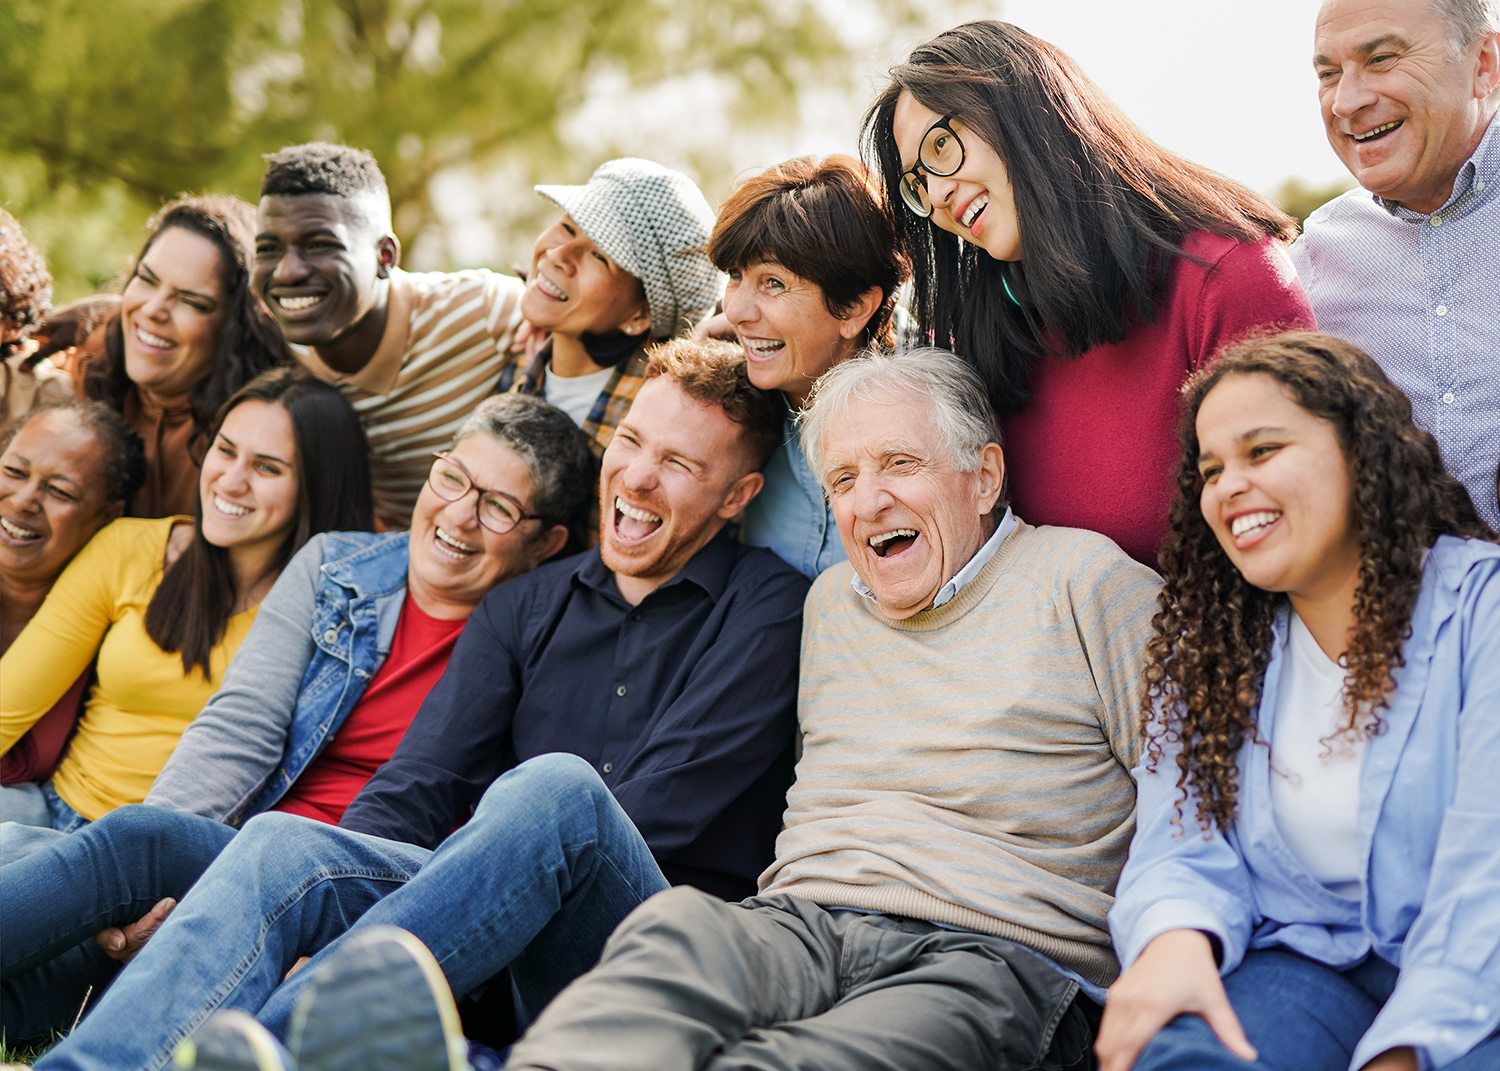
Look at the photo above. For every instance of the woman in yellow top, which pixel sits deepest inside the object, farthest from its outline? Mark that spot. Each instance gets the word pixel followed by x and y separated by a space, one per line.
pixel 164 603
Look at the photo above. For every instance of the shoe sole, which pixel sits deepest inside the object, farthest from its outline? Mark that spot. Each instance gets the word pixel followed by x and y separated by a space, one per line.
pixel 230 1041
pixel 380 1004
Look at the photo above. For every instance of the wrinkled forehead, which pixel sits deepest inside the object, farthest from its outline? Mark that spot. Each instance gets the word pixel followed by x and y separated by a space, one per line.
pixel 1362 25
pixel 870 428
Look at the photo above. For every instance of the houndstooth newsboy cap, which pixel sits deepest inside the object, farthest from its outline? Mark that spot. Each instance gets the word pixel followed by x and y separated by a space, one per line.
pixel 653 222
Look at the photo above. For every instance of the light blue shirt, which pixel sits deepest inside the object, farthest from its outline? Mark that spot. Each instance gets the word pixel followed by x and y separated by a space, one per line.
pixel 1421 294
pixel 981 558
pixel 789 516
pixel 1429 834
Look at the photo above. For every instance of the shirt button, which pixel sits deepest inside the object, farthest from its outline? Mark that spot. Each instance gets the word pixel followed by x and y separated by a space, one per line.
pixel 1441 310
pixel 1480 1013
pixel 635 616
pixel 620 691
pixel 608 767
pixel 1448 398
pixel 1437 221
pixel 331 636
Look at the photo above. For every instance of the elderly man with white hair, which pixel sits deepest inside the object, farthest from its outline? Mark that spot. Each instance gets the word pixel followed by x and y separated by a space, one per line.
pixel 963 802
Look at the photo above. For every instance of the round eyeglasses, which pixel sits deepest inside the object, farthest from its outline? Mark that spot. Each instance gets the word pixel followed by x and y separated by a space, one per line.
pixel 941 154
pixel 496 510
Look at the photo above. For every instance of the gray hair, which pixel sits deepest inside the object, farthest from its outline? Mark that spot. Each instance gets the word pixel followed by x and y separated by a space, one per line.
pixel 1468 20
pixel 960 406
pixel 557 458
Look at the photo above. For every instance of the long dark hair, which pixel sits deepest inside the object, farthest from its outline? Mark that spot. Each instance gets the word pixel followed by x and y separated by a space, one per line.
pixel 191 608
pixel 249 341
pixel 1102 208
pixel 1211 637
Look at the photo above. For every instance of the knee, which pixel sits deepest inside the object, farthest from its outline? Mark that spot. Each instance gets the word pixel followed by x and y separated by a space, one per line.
pixel 563 784
pixel 273 835
pixel 679 909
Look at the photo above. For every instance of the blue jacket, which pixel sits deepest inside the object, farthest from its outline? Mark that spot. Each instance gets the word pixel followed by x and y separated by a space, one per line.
pixel 1429 828
pixel 320 636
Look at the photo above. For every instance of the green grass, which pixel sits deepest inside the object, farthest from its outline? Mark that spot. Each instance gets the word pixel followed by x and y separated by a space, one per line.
pixel 21 1054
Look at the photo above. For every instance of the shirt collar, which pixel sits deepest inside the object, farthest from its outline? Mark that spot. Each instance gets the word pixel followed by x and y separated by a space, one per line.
pixel 709 569
pixel 1475 181
pixel 961 578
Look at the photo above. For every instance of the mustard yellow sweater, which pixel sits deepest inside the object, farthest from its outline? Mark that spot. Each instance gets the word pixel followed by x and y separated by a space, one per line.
pixel 142 701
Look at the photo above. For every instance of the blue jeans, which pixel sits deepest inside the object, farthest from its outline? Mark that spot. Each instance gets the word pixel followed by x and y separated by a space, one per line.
pixel 31 817
pixel 536 881
pixel 1299 1014
pixel 55 898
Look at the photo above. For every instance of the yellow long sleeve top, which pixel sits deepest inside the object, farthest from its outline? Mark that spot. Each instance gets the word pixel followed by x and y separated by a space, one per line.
pixel 142 701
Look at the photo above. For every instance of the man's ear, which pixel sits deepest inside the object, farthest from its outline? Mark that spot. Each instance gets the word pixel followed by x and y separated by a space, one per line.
pixel 113 513
pixel 991 476
pixel 389 254
pixel 1487 74
pixel 744 489
pixel 856 318
pixel 549 544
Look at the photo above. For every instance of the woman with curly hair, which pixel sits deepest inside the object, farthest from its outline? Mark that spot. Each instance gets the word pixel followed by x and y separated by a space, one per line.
pixel 1314 873
pixel 1082 269
pixel 190 332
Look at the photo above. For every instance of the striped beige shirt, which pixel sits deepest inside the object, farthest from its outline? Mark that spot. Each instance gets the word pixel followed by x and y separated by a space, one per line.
pixel 971 764
pixel 447 338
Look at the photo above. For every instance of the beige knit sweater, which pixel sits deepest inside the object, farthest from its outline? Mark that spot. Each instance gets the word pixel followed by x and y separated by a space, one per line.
pixel 971 764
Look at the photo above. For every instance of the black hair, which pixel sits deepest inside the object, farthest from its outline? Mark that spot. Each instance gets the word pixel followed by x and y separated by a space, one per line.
pixel 124 452
pixel 249 341
pixel 25 283
pixel 322 167
pixel 191 607
pixel 1102 209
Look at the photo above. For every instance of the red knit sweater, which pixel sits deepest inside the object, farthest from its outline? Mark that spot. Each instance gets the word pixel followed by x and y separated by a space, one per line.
pixel 1097 445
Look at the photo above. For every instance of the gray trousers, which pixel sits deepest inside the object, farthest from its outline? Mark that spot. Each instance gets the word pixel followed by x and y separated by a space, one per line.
pixel 689 982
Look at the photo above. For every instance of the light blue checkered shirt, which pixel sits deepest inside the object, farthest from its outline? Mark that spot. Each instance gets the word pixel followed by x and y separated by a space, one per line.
pixel 1421 293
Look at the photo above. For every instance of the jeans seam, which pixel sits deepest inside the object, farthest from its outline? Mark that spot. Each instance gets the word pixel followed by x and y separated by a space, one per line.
pixel 216 998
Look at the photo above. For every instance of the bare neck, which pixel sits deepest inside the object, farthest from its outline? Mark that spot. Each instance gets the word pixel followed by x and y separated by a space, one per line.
pixel 570 359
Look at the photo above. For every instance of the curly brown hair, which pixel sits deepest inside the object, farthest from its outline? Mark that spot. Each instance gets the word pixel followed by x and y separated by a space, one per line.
pixel 1211 637
pixel 25 283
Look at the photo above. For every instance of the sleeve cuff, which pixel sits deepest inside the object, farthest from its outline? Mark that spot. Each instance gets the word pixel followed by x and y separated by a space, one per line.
pixel 1443 1012
pixel 1181 914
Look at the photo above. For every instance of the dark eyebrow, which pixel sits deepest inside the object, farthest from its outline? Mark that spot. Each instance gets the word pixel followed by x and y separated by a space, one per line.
pixel 143 266
pixel 1369 47
pixel 273 457
pixel 1253 433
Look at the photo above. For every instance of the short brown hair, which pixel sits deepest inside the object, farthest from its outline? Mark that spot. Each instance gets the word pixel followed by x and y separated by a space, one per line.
pixel 715 373
pixel 828 222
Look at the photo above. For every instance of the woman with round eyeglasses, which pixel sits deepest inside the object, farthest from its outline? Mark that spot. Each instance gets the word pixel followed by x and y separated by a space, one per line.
pixel 356 631
pixel 1084 270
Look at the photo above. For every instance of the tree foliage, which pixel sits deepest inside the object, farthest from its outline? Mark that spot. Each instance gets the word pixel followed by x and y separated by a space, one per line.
pixel 114 106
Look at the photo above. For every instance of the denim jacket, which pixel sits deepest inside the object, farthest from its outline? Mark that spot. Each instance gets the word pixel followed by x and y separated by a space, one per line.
pixel 1429 834
pixel 320 636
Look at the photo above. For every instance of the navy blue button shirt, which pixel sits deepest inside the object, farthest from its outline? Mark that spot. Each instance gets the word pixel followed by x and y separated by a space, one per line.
pixel 685 705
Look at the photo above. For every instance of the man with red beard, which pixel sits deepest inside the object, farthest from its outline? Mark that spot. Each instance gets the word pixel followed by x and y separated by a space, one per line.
pixel 655 675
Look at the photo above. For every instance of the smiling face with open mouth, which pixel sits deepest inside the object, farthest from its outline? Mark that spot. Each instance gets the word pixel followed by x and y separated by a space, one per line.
pixel 783 323
pixel 1401 110
pixel 673 474
pixel 249 482
pixel 455 560
pixel 908 518
pixel 52 491
pixel 319 260
pixel 575 288
pixel 1276 489
pixel 170 314
pixel 976 202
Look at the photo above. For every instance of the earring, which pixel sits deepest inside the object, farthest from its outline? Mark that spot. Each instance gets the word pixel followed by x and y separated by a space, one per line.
pixel 633 329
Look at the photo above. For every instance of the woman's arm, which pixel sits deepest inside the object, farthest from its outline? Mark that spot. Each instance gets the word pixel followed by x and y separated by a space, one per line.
pixel 1447 998
pixel 239 738
pixel 61 640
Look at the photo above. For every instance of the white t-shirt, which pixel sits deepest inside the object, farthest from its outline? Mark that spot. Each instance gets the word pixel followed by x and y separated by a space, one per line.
pixel 1314 775
pixel 575 396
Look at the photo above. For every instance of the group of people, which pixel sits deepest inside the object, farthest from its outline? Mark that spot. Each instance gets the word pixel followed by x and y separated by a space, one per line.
pixel 1011 603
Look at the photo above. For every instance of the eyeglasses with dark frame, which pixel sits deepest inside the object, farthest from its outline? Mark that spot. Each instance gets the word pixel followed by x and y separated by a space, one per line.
pixel 940 154
pixel 499 511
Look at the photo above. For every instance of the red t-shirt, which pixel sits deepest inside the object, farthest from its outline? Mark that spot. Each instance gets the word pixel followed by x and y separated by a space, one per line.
pixel 419 654
pixel 1097 446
